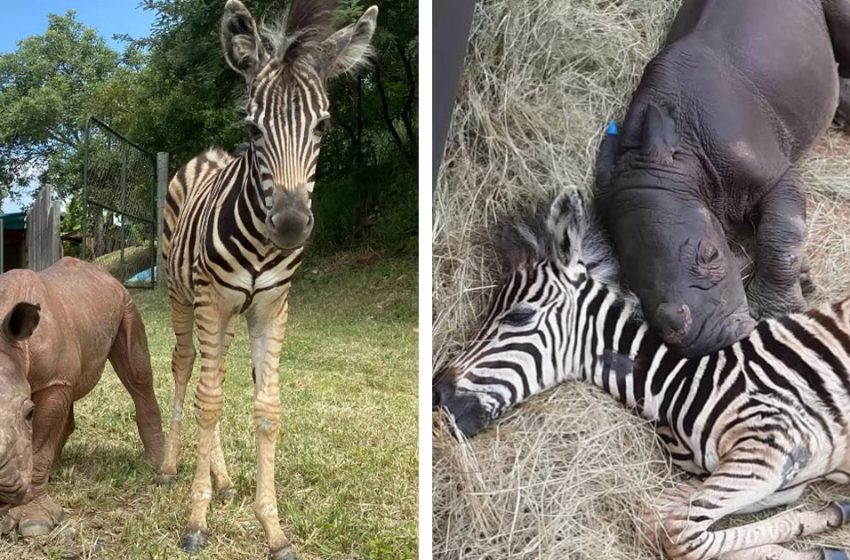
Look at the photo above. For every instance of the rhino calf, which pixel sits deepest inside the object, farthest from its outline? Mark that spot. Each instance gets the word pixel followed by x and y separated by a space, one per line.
pixel 739 92
pixel 59 328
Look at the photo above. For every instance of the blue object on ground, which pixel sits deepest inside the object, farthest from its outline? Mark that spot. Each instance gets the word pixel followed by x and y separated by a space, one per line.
pixel 144 277
pixel 612 128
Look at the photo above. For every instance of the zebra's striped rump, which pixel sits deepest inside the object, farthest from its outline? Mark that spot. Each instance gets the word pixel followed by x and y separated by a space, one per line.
pixel 760 419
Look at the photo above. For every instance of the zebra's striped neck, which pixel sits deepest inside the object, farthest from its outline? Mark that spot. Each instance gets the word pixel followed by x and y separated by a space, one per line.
pixel 621 354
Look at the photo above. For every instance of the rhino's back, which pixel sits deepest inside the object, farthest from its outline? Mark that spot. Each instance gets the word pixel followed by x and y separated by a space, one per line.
pixel 760 71
pixel 84 306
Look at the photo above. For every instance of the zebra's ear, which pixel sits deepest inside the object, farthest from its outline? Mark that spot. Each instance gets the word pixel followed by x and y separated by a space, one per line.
pixel 566 225
pixel 349 47
pixel 242 46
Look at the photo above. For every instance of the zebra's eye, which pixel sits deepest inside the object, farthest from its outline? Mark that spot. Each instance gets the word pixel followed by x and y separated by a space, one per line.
pixel 253 130
pixel 518 317
pixel 322 126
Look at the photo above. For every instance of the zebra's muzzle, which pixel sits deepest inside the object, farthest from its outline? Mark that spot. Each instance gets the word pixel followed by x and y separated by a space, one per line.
pixel 290 220
pixel 469 414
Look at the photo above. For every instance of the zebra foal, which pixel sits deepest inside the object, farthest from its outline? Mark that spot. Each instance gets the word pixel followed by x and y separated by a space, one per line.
pixel 235 229
pixel 759 420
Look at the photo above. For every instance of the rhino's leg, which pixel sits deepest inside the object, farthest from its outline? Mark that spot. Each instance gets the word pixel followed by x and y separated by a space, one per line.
pixel 807 283
pixel 52 424
pixel 837 14
pixel 131 360
pixel 780 235
pixel 842 115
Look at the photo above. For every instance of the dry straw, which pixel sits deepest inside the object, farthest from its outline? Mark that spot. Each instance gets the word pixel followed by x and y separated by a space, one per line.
pixel 562 477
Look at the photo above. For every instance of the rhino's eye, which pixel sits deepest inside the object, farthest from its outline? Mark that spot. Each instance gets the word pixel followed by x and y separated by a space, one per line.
pixel 30 411
pixel 708 254
pixel 518 317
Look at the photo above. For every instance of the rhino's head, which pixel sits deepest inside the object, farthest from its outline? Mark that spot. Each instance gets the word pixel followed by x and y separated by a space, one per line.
pixel 16 408
pixel 672 250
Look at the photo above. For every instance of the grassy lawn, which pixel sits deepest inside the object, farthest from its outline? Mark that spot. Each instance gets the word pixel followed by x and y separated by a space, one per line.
pixel 346 462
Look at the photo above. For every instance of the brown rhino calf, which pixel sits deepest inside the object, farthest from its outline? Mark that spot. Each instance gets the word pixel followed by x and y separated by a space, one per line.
pixel 58 329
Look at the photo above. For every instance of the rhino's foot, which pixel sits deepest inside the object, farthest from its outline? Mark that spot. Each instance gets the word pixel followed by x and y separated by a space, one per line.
pixel 807 284
pixel 33 519
pixel 766 302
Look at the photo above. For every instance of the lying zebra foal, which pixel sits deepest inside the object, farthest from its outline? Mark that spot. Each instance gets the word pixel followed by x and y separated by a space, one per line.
pixel 762 418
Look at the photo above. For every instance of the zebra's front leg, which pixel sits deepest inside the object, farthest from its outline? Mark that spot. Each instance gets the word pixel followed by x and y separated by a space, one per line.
pixel 266 327
pixel 212 325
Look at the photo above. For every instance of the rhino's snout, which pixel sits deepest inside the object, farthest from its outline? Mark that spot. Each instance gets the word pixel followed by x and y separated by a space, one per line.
pixel 674 322
pixel 13 486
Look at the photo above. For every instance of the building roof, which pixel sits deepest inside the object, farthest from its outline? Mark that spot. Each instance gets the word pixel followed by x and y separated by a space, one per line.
pixel 14 221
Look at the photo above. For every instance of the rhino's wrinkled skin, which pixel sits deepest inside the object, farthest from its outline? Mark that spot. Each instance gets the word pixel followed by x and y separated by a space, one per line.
pixel 59 327
pixel 740 91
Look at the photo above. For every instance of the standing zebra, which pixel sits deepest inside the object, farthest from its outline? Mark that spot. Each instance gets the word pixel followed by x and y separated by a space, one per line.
pixel 235 229
pixel 762 418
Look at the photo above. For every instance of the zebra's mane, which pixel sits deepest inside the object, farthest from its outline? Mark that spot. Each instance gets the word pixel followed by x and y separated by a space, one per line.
pixel 302 30
pixel 529 241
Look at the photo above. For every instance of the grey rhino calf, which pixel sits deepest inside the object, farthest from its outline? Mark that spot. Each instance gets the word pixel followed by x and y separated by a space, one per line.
pixel 739 92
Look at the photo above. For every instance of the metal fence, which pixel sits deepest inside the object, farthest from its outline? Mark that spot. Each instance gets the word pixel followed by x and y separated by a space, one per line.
pixel 43 246
pixel 119 206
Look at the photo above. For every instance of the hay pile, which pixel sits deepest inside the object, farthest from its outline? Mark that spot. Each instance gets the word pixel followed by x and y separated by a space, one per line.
pixel 562 477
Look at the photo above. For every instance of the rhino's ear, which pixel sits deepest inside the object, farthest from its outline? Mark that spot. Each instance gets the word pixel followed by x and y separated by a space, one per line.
pixel 660 139
pixel 21 321
pixel 606 159
pixel 566 225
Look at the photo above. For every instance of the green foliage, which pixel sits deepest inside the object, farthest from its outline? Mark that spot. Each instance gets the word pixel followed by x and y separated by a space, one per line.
pixel 374 206
pixel 48 87
pixel 173 92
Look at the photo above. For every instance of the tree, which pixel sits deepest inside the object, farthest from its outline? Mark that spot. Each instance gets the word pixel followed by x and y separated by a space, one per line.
pixel 48 87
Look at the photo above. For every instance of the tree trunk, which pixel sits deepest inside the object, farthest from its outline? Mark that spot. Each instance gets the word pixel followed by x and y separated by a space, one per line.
pixel 407 112
pixel 388 120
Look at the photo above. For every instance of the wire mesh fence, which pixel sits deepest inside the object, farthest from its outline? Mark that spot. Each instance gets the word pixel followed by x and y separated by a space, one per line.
pixel 119 210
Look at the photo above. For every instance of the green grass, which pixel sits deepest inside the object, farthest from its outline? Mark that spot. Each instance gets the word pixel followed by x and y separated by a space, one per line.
pixel 346 462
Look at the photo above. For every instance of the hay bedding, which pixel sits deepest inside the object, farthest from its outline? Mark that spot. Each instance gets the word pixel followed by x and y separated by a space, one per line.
pixel 563 476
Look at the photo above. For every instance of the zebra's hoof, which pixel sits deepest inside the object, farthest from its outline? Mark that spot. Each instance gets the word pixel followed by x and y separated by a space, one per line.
pixel 283 553
pixel 193 540
pixel 834 554
pixel 227 495
pixel 166 480
pixel 843 510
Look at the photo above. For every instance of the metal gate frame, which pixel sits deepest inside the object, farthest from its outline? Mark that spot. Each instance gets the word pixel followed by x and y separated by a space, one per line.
pixel 122 212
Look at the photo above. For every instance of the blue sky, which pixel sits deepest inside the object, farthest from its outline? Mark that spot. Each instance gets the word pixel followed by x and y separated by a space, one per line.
pixel 22 18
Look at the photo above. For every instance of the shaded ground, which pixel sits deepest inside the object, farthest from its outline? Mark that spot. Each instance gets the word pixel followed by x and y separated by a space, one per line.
pixel 347 454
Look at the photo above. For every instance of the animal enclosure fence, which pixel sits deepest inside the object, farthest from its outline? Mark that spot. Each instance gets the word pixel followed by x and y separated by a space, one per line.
pixel 43 245
pixel 119 222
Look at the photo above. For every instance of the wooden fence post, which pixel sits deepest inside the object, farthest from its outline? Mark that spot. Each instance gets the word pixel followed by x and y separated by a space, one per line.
pixel 161 190
pixel 43 244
